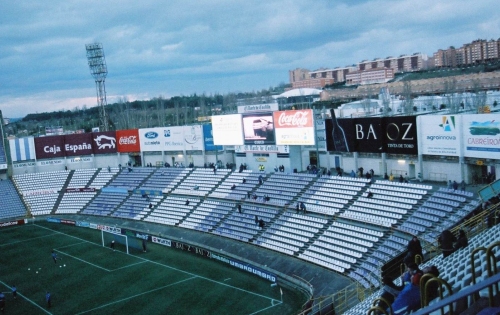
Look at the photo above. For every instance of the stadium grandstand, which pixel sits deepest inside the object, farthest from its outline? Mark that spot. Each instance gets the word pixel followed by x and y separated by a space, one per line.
pixel 343 232
pixel 332 215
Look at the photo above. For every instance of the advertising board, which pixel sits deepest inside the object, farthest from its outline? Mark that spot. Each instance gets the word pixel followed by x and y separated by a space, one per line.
pixel 439 134
pixel 49 147
pixel 22 149
pixel 258 129
pixel 128 141
pixel 104 142
pixel 227 129
pixel 481 136
pixel 294 127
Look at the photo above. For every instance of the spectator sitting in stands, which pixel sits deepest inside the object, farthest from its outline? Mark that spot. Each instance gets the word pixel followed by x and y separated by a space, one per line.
pixel 150 205
pixel 303 207
pixel 254 197
pixel 244 180
pixel 390 292
pixel 196 187
pixel 233 187
pixel 297 207
pixel 409 298
pixel 187 202
pixel 370 194
pixel 267 198
pixel 432 288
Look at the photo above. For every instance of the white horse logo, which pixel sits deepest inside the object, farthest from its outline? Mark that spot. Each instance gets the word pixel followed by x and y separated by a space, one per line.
pixel 109 142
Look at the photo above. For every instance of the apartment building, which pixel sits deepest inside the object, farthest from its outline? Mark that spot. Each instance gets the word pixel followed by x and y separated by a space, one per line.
pixel 370 76
pixel 317 79
pixel 477 51
pixel 403 63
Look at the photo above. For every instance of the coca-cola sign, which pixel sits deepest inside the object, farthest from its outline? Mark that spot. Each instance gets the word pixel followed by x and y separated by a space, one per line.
pixel 128 140
pixel 294 119
pixel 294 127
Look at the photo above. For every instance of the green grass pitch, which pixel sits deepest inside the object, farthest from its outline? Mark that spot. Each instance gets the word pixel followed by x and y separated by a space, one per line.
pixel 91 279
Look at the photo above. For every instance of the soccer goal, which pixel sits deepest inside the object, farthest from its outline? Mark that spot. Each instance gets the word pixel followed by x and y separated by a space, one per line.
pixel 120 241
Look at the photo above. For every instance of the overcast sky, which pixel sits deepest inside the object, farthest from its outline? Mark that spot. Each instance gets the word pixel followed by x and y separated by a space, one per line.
pixel 167 48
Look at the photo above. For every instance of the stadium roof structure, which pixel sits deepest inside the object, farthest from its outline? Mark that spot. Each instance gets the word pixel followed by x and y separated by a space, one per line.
pixel 300 92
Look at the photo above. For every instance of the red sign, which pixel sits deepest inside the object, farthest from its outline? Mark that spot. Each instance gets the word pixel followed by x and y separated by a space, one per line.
pixel 49 147
pixel 78 144
pixel 104 142
pixel 293 119
pixel 128 140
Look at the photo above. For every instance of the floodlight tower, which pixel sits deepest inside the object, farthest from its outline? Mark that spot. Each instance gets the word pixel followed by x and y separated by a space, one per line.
pixel 98 69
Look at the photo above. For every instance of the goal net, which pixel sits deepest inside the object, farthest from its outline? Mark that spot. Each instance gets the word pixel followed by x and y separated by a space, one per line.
pixel 115 241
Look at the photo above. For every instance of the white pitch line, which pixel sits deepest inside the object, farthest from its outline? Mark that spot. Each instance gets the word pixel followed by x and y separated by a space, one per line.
pixel 23 296
pixel 71 245
pixel 266 308
pixel 127 266
pixel 25 240
pixel 170 267
pixel 134 296
pixel 83 260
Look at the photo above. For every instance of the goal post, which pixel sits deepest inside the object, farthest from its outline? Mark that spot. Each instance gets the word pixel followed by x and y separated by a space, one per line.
pixel 108 237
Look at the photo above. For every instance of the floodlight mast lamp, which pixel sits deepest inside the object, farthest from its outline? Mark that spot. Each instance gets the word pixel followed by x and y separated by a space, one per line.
pixel 98 70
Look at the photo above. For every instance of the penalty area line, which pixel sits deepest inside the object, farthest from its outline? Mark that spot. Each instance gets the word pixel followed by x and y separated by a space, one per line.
pixel 24 297
pixel 89 263
pixel 134 296
pixel 266 308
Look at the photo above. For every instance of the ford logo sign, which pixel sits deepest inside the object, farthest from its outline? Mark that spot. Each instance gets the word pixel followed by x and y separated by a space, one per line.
pixel 151 135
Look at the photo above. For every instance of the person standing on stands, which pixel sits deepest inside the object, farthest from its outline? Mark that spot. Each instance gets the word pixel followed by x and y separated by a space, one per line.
pixel 462 241
pixel 414 248
pixel 239 208
pixel 262 223
pixel 446 240
pixel 455 185
pixel 303 207
pixel 462 185
pixel 297 207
